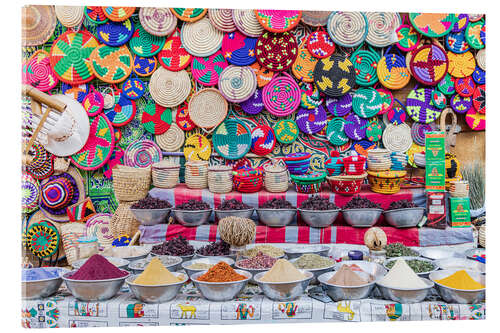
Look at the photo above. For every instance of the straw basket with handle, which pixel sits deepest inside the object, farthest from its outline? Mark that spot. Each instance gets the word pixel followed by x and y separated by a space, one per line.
pixel 220 178
pixel 276 176
pixel 196 174
pixel 131 184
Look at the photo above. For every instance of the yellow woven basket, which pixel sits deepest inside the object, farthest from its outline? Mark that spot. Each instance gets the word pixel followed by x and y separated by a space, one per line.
pixel 386 182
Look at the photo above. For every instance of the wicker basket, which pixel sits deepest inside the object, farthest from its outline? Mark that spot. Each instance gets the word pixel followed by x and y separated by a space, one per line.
pixel 196 174
pixel 459 188
pixel 165 174
pixel 70 232
pixel 220 179
pixel 131 184
pixel 123 221
pixel 386 182
pixel 346 184
pixel 276 176
pixel 354 165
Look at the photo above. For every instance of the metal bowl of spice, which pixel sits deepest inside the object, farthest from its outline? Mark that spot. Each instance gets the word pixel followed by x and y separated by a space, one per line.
pixel 244 213
pixel 296 251
pixel 460 286
pixel 130 253
pixel 151 216
pixel 156 293
pixel 313 263
pixel 276 217
pixel 438 254
pixel 284 291
pixel 192 218
pixel 172 263
pixel 260 263
pixel 346 284
pixel 202 264
pixel 318 218
pixel 118 262
pixel 372 268
pixel 421 266
pixel 269 250
pixel 461 263
pixel 94 290
pixel 405 295
pixel 41 282
pixel 361 217
pixel 404 217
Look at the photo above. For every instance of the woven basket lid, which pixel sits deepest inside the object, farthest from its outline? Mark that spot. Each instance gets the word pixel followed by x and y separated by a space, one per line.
pixel 475 34
pixel 481 59
pixel 281 96
pixel 133 88
pixel 447 85
pixel 189 14
pixel 479 99
pixel 320 45
pixel 433 24
pixel 98 225
pixel 315 18
pixel 278 20
pixel 174 56
pixel 156 119
pixel 171 140
pixel 232 139
pixel 39 74
pixel 475 17
pixel 397 137
pixel 197 148
pixel 142 154
pixel 419 106
pixel 335 132
pixel 475 120
pixel 95 14
pixel 123 111
pixel 42 164
pixel 263 140
pixel 246 22
pixel 461 104
pixel 42 239
pixel 206 70
pixel 118 14
pixel 407 37
pixel 348 29
pixel 168 88
pixel 310 98
pixel 276 51
pixel 381 28
pixel 286 131
pixel 418 131
pixel 144 66
pixel 335 76
pixel 396 115
pixel 239 49
pixel 144 44
pixel 303 66
pixel 365 66
pixel 366 102
pixel 355 127
pixel 200 38
pixel 207 108
pixel 461 23
pixel 38 24
pixel 237 84
pixel 465 86
pixel 387 100
pixel 311 121
pixel 99 146
pixel 157 21
pixel 115 33
pixel 70 16
pixel 456 43
pixel 70 57
pixel 263 75
pixel 461 65
pixel 438 99
pixel 479 76
pixel 339 106
pixel 222 19
pixel 254 104
pixel 111 64
pixel 183 120
pixel 392 71
pixel 374 131
pixel 30 192
pixel 429 64
pixel 93 102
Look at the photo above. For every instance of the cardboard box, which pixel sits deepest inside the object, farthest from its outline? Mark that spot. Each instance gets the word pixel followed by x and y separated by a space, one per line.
pixel 434 147
pixel 460 212
pixel 435 176
pixel 436 210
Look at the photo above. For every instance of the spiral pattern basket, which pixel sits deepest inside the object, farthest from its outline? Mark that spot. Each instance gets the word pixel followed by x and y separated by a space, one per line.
pixel 207 108
pixel 456 43
pixel 70 16
pixel 206 70
pixel 237 84
pixel 397 137
pixel 348 29
pixel 276 51
pixel 475 120
pixel 481 59
pixel 220 179
pixel 165 174
pixel 115 33
pixel 418 131
pixel 131 184
pixel 142 154
pixel 168 88
pixel 156 119
pixel 475 34
pixel 183 119
pixel 95 14
pixel 144 44
pixel 381 28
pixel 157 21
pixel 281 96
pixel 386 182
pixel 310 97
pixel 408 38
pixel 278 20
pixel 246 22
pixel 232 139
pixel 286 131
pixel 98 226
pixel 311 121
pixel 276 177
pixel 465 86
pixel 189 14
pixel 420 107
pixel 174 56
pixel 392 71
pixel 315 18
pixel 144 66
pixel 123 111
pixel 254 104
pixel 335 132
pixel 222 19
pixel 334 76
pixel 39 74
pixel 461 65
pixel 355 127
pixel 429 64
pixel 171 140
pixel 303 67
pixel 339 107
pixel 111 64
pixel 200 38
pixel 374 131
pixel 197 147
pixel 196 175
pixel 239 49
pixel 366 102
pixel 263 140
pixel 365 66
pixel 346 184
pixel 447 85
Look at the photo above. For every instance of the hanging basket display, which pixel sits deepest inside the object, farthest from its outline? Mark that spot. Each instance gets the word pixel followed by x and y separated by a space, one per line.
pixel 263 140
pixel 276 51
pixel 281 96
pixel 334 76
pixel 232 139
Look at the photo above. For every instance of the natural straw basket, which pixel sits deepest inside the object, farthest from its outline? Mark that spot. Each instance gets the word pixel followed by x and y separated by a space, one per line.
pixel 168 88
pixel 201 38
pixel 61 164
pixel 315 18
pixel 123 222
pixel 157 21
pixel 220 178
pixel 131 184
pixel 397 137
pixel 347 29
pixel 38 24
pixel 196 175
pixel 207 108
pixel 222 19
pixel 481 59
pixel 459 188
pixel 70 232
pixel 246 22
pixel 165 174
pixel 172 140
pixel 70 16
pixel 382 27
pixel 276 176
pixel 237 84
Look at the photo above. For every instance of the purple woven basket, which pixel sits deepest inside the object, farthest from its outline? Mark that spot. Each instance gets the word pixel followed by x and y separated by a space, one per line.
pixel 461 104
pixel 254 104
pixel 418 131
pixel 355 127
pixel 311 121
pixel 340 106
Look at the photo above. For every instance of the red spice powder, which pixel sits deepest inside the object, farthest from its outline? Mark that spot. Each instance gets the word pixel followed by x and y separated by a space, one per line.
pixel 97 268
pixel 221 272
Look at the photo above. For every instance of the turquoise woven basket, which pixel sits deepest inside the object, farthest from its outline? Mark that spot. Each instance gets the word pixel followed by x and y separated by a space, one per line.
pixel 232 139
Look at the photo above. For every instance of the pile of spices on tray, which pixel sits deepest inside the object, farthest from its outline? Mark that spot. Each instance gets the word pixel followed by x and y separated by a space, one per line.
pixel 401 276
pixel 276 203
pixel 221 272
pixel 358 202
pixel 418 266
pixel 232 204
pixel 347 277
pixel 316 202
pixel 200 266
pixel 312 261
pixel 400 204
pixel 260 261
pixel 219 248
pixel 399 250
pixel 282 271
pixel 36 274
pixel 97 268
pixel 174 247
pixel 193 205
pixel 266 249
pixel 151 203
pixel 165 260
pixel 125 251
pixel 156 274
pixel 460 280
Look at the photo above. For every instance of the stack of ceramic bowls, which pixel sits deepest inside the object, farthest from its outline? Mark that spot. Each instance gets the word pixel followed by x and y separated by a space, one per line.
pixel 298 163
pixel 398 161
pixel 379 160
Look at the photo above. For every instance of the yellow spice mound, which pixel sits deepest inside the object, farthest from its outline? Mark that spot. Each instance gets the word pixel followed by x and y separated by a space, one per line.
pixel 156 274
pixel 460 280
pixel 282 271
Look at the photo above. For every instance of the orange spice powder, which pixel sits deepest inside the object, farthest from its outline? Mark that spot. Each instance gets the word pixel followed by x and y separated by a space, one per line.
pixel 221 272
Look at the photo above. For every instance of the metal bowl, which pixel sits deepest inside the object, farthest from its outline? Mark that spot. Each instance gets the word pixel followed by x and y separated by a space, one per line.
pixel 94 290
pixel 423 274
pixel 192 218
pixel 404 217
pixel 438 253
pixel 276 217
pixel 138 266
pixel 284 291
pixel 319 218
pixel 253 271
pixel 157 293
pixel 118 262
pixel 461 263
pixel 245 213
pixel 405 296
pixel 151 216
pixel 184 258
pixel 114 252
pixel 338 292
pixel 296 251
pixel 452 295
pixel 361 217
pixel 45 287
pixel 474 252
pixel 221 291
pixel 232 256
pixel 250 247
pixel 372 268
pixel 316 271
pixel 211 261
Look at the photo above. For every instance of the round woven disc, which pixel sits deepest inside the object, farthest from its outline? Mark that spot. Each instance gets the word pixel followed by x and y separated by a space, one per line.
pixel 392 71
pixel 461 104
pixel 263 75
pixel 38 24
pixel 134 88
pixel 311 121
pixel 348 29
pixel 111 64
pixel 232 139
pixel 473 34
pixel 408 37
pixel 456 43
pixel 174 56
pixel 315 18
pixel 461 65
pixel 418 131
pixel 98 147
pixel 70 57
pixel 310 97
pixel 465 86
pixel 276 51
pixel 246 22
pixel 239 49
pixel 171 140
pixel 200 38
pixel 157 21
pixel 396 115
pixel 38 72
pixel 95 14
pixel 207 108
pixel 222 19
pixel 334 76
pixel 281 96
pixel 387 100
pixel 30 192
pixel 42 239
pixel 168 88
pixel 77 92
pixel 461 23
pixel 286 131
pixel 303 67
pixel 355 127
pixel 479 99
pixel 156 119
pixel 431 24
pixel 341 106
pixel 263 140
pixel 118 14
pixel 93 103
pixel 144 44
pixel 397 138
pixel 42 165
pixel 99 226
pixel 206 70
pixel 429 64
pixel 366 102
pixel 70 16
pixel 142 153
pixel 479 76
pixel 144 66
pixel 335 132
pixel 475 120
pixel 183 120
pixel 447 85
pixel 365 66
pixel 374 131
pixel 254 104
pixel 237 84
pixel 189 14
pixel 197 148
pixel 123 111
pixel 438 99
pixel 132 131
pixel 278 20
pixel 419 106
pixel 115 33
pixel 381 27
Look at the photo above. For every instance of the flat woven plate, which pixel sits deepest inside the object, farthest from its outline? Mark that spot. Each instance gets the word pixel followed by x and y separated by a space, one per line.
pixel 419 106
pixel 263 75
pixel 111 64
pixel 169 88
pixel 381 27
pixel 174 56
pixel 366 102
pixel 334 76
pixel 38 72
pixel 237 84
pixel 197 148
pixel 171 140
pixel 142 153
pixel 207 108
pixel 481 59
pixel 144 66
pixel 30 193
pixel 201 38
pixel 254 104
pixel 408 37
pixel 118 14
pixel 374 131
pixel 456 43
pixel 447 85
pixel 222 19
pixel 99 226
pixel 183 120
pixel 461 65
pixel 189 14
pixel 70 16
pixel 38 24
pixel 475 120
pixel 246 22
pixel 387 100
pixel 479 99
pixel 144 44
pixel 42 165
pixel 429 64
pixel 77 92
pixel 396 115
pixel 134 88
pixel 206 70
pixel 303 67
pixel 433 24
pixel 465 86
pixel 340 106
pixel 157 21
pixel 479 75
pixel 348 29
pixel 232 139
pixel 335 132
pixel 99 146
pixel 315 18
pixel 281 96
pixel 156 119
pixel 95 14
pixel 115 33
pixel 461 104
pixel 474 34
pixel 320 44
pixel 70 57
pixel 122 112
pixel 392 71
pixel 311 121
pixel 286 131
pixel 355 127
pixel 263 140
pixel 418 131
pixel 276 51
pixel 438 99
pixel 310 97
pixel 278 20
pixel 42 239
pixel 397 138
pixel 239 49
pixel 365 66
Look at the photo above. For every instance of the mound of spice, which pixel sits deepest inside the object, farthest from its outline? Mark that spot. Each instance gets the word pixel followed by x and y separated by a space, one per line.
pixel 165 260
pixel 219 248
pixel 260 261
pixel 36 274
pixel 418 266
pixel 221 272
pixel 312 261
pixel 265 249
pixel 97 268
pixel 232 204
pixel 151 203
pixel 401 276
pixel 359 202
pixel 156 274
pixel 460 280
pixel 315 202
pixel 193 205
pixel 399 250
pixel 282 271
pixel 276 203
pixel 347 277
pixel 200 266
pixel 174 247
pixel 400 204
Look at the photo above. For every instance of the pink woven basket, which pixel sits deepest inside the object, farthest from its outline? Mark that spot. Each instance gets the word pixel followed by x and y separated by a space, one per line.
pixel 281 96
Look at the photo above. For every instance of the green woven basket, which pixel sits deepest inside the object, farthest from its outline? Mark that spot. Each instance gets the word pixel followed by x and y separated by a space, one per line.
pixel 335 132
pixel 232 139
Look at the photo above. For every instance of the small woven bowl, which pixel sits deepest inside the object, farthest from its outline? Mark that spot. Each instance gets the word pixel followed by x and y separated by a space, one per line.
pixel 208 108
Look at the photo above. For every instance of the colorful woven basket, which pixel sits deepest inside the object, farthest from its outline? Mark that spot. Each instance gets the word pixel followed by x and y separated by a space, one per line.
pixel 479 99
pixel 123 111
pixel 348 29
pixel 392 71
pixel 374 131
pixel 42 162
pixel 77 92
pixel 298 163
pixel 118 14
pixel 461 23
pixel 174 56
pixel 264 75
pixel 335 132
pixel 39 74
pixel 183 120
pixel 479 75
pixel 397 137
pixel 334 76
pixel 438 99
pixel 429 64
pixel 408 38
pixel 386 182
pixel 30 192
pixel 456 43
pixel 276 51
pixel 475 34
pixel 254 104
pixel 189 14
pixel 200 38
pixel 232 139
pixel 207 108
pixel 461 65
pixel 98 226
pixel 144 66
pixel 419 106
pixel 475 120
pixel 447 85
pixel 42 239
pixel 310 97
pixel 309 183
pixel 95 14
pixel 320 44
pixel 286 131
pixel 418 131
pixel 197 147
pixel 111 64
pixel 355 127
pixel 303 66
pixel 168 88
pixel 315 18
pixel 366 102
pixel 222 19
pixel 381 27
pixel 341 106
pixel 239 49
pixel 387 100
pixel 93 102
pixel 134 88
pixel 263 140
pixel 281 96
pixel 354 165
pixel 144 44
pixel 142 154
pixel 278 20
pixel 465 86
pixel 206 70
pixel 365 66
pixel 311 121
pixel 157 21
pixel 237 84
pixel 431 24
pixel 246 22
pixel 156 119
pixel 346 185
pixel 115 33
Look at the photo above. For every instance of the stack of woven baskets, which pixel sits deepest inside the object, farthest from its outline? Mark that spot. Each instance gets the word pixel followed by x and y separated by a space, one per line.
pixel 196 176
pixel 298 163
pixel 248 180
pixel 276 176
pixel 165 174
pixel 334 165
pixel 379 159
pixel 398 161
pixel 220 178
pixel 354 165
pixel 309 183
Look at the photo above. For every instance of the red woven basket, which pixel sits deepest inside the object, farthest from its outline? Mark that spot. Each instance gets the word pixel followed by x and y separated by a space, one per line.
pixel 346 185
pixel 354 165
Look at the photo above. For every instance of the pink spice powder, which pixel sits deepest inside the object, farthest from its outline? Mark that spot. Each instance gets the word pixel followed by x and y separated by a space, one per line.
pixel 97 268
